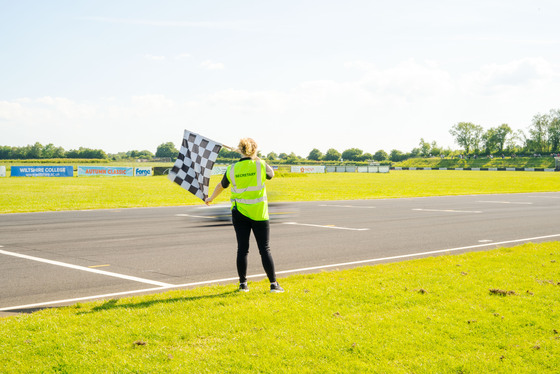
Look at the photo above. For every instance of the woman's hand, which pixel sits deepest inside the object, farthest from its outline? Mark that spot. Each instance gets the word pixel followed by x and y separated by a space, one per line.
pixel 218 190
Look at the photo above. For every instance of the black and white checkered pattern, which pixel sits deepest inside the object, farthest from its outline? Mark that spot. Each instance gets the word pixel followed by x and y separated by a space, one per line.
pixel 193 167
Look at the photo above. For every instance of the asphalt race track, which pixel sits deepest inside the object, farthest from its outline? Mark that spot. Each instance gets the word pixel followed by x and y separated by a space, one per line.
pixel 56 258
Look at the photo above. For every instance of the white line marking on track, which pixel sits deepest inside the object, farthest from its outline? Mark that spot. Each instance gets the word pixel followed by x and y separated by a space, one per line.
pixel 78 299
pixel 417 254
pixel 190 215
pixel 348 206
pixel 84 268
pixel 505 202
pixel 410 255
pixel 324 226
pixel 448 210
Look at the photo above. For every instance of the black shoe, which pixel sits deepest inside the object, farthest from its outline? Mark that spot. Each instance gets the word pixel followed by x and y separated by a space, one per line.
pixel 243 287
pixel 275 287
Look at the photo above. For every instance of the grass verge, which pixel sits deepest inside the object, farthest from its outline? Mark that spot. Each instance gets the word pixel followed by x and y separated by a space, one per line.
pixel 482 162
pixel 496 311
pixel 52 194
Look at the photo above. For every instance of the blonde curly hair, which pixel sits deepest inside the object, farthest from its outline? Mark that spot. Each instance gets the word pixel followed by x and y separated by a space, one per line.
pixel 248 147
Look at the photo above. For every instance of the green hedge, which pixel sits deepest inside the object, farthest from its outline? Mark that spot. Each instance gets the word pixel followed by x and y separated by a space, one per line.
pixel 518 162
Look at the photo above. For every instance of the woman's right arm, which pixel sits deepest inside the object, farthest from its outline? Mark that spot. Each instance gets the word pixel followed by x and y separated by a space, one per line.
pixel 218 190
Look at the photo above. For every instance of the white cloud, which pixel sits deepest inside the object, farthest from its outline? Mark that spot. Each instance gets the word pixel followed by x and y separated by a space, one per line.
pixel 521 74
pixel 154 58
pixel 183 56
pixel 382 109
pixel 177 24
pixel 44 109
pixel 246 101
pixel 11 111
pixel 151 104
pixel 211 65
pixel 502 40
pixel 410 80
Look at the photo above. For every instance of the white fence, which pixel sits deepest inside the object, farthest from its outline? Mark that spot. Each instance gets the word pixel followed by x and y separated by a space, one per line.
pixel 373 169
pixel 359 169
pixel 340 169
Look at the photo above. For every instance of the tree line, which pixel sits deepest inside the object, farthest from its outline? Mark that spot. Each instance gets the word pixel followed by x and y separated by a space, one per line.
pixel 50 151
pixel 39 151
pixel 542 138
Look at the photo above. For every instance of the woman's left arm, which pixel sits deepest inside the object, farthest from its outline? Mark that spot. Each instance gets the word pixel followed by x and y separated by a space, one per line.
pixel 269 172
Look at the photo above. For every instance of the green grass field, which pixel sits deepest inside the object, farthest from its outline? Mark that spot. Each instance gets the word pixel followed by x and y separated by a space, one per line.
pixel 52 194
pixel 486 312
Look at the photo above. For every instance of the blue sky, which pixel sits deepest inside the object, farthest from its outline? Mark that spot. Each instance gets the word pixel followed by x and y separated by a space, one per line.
pixel 294 75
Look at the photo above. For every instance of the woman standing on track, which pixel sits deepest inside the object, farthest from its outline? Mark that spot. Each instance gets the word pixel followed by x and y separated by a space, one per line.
pixel 249 209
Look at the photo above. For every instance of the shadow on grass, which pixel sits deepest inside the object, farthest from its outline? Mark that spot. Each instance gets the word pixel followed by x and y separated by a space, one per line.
pixel 114 303
pixel 15 312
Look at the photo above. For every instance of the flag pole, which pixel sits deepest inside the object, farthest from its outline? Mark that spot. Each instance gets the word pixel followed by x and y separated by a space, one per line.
pixel 230 148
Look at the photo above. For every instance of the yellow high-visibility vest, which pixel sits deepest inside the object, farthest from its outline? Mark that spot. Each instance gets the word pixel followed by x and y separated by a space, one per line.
pixel 248 191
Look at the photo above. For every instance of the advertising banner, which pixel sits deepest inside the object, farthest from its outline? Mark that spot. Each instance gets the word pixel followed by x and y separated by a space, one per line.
pixel 307 169
pixel 42 171
pixel 109 171
pixel 2 171
pixel 143 172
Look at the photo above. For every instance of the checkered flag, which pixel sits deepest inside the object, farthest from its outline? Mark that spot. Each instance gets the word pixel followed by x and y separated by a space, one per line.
pixel 193 167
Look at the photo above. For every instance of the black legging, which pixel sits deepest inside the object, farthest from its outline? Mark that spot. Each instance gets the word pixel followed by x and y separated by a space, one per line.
pixel 261 229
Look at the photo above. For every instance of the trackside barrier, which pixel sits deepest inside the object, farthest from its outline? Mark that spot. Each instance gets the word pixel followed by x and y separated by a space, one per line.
pixel 373 169
pixel 307 169
pixel 161 170
pixel 2 171
pixel 109 171
pixel 477 169
pixel 216 170
pixel 42 171
pixel 143 172
pixel 341 169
